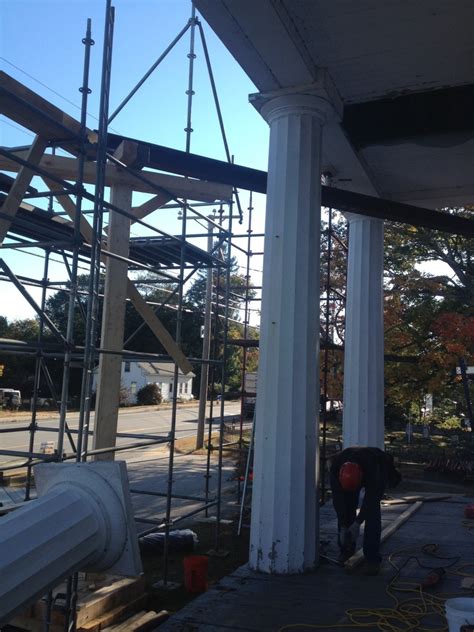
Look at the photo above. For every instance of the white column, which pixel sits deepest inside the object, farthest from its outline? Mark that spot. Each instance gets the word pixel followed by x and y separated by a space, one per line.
pixel 284 505
pixel 363 422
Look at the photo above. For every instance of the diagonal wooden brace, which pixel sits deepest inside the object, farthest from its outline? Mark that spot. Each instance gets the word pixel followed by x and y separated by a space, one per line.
pixel 142 307
pixel 21 184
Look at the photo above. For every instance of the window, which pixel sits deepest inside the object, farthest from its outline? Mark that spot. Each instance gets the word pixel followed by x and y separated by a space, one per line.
pixel 171 387
pixel 127 368
pixel 133 388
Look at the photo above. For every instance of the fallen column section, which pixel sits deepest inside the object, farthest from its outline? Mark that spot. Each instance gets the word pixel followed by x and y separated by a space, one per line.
pixel 82 520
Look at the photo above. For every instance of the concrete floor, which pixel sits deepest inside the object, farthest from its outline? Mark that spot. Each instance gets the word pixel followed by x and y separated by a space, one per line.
pixel 250 601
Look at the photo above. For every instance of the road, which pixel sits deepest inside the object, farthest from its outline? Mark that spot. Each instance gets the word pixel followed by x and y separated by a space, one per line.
pixel 136 421
pixel 148 468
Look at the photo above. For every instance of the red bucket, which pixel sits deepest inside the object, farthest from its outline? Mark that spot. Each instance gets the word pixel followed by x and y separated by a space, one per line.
pixel 195 573
pixel 469 511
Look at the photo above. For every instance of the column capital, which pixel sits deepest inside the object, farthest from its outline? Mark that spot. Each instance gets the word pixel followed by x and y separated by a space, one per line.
pixel 319 98
pixel 298 104
pixel 358 217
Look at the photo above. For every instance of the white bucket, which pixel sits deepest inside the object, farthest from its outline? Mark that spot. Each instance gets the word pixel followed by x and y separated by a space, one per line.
pixel 459 611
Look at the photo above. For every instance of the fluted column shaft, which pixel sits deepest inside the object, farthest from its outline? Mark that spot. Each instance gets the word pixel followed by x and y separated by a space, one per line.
pixel 284 507
pixel 363 422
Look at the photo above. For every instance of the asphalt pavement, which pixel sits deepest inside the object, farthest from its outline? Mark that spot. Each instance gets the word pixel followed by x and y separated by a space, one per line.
pixel 14 435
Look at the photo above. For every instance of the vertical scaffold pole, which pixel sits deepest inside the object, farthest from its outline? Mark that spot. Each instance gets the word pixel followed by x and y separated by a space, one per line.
pixel 73 294
pixel 190 92
pixel 94 276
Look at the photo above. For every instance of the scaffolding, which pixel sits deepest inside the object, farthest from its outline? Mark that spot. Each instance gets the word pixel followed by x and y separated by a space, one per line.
pixel 82 239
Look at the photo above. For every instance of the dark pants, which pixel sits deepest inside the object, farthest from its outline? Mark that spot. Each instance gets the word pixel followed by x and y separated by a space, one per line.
pixel 346 503
pixel 373 529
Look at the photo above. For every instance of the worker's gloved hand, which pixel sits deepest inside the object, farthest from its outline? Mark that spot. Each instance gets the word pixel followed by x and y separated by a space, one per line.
pixel 354 531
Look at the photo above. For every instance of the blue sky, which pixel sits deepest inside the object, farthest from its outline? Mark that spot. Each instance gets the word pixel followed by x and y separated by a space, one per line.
pixel 40 45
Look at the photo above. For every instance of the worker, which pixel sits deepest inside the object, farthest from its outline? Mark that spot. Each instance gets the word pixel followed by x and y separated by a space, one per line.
pixel 351 470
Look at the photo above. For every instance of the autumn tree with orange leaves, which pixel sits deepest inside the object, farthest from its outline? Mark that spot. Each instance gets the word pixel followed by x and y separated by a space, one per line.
pixel 429 318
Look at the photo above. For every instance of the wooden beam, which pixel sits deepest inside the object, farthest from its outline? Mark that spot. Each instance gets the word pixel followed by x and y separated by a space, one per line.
pixel 20 186
pixel 142 307
pixel 151 205
pixel 113 325
pixel 158 328
pixel 358 557
pixel 66 168
pixel 69 206
pixel 25 107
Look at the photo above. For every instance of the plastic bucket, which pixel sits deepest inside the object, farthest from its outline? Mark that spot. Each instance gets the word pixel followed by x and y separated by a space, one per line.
pixel 469 511
pixel 459 611
pixel 195 573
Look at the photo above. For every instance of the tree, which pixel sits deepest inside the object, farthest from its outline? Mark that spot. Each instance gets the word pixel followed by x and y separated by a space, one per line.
pixel 238 290
pixel 19 369
pixel 427 318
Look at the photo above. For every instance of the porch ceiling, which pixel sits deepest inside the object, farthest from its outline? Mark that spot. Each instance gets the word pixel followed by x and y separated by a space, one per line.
pixel 404 72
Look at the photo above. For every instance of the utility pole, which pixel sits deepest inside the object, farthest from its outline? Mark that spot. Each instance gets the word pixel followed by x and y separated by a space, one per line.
pixel 206 345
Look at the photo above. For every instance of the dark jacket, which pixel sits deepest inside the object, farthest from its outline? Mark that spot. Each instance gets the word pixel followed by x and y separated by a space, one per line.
pixel 378 472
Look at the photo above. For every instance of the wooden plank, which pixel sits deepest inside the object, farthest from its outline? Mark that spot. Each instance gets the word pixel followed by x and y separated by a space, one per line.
pixel 108 597
pixel 95 609
pixel 86 229
pixel 151 205
pixel 153 621
pixel 141 622
pixel 408 500
pixel 358 557
pixel 158 328
pixel 66 168
pixel 27 108
pixel 20 186
pixel 128 624
pixel 142 307
pixel 114 615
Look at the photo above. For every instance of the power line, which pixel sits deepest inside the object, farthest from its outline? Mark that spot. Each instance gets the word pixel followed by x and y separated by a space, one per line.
pixel 78 107
pixel 19 129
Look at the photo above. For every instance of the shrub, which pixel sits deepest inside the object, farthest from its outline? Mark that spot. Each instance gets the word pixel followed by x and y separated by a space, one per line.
pixel 149 394
pixel 124 396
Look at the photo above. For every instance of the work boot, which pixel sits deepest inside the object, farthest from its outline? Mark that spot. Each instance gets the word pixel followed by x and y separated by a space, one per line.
pixel 346 552
pixel 371 569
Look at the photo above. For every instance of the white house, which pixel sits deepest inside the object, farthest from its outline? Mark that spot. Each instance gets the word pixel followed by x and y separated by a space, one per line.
pixel 136 375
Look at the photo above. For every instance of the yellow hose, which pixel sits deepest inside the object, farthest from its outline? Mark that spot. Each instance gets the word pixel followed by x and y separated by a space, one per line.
pixel 406 615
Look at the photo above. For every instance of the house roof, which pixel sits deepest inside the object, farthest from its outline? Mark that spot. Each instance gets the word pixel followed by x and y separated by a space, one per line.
pixel 162 369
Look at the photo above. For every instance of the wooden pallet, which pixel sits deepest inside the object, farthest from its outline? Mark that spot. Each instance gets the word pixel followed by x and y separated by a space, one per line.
pixel 101 603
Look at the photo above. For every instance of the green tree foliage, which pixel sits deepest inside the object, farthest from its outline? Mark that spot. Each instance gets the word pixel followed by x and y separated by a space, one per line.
pixel 239 291
pixel 57 307
pixel 19 369
pixel 428 318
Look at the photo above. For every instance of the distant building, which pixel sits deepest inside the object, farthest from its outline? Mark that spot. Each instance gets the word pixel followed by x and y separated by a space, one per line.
pixel 136 375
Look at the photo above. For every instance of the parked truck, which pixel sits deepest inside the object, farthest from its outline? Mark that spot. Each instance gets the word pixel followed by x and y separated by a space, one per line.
pixel 10 399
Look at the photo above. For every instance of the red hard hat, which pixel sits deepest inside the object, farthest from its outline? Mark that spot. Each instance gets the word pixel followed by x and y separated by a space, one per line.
pixel 350 476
